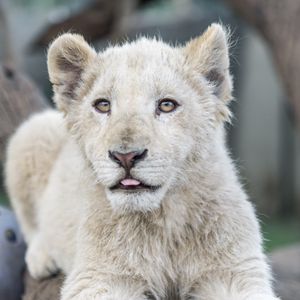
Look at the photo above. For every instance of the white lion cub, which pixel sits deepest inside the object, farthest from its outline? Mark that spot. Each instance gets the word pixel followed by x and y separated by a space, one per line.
pixel 129 189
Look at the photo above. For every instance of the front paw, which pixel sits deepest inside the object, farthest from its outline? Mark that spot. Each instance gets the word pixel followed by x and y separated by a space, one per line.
pixel 114 297
pixel 83 294
pixel 262 297
pixel 88 284
pixel 40 264
pixel 91 294
pixel 121 296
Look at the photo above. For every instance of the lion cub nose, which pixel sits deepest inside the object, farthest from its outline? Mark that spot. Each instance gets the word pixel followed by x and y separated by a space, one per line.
pixel 127 160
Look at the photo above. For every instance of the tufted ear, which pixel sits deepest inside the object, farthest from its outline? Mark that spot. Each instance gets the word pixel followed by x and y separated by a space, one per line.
pixel 208 55
pixel 68 57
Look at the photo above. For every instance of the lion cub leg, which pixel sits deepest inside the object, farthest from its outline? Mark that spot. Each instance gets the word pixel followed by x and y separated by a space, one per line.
pixel 38 260
pixel 247 281
pixel 31 154
pixel 89 284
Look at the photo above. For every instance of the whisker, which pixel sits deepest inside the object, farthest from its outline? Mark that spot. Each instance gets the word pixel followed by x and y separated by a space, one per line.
pixel 149 168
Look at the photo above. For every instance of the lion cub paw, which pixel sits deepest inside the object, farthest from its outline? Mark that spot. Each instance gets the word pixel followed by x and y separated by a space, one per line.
pixel 40 264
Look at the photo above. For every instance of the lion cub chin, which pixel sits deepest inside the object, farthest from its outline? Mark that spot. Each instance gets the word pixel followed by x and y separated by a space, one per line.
pixel 128 187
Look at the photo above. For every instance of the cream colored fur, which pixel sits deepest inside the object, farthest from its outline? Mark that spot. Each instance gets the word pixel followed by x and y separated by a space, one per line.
pixel 196 235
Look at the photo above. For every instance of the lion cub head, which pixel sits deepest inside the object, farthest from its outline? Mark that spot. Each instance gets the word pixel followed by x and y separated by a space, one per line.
pixel 144 113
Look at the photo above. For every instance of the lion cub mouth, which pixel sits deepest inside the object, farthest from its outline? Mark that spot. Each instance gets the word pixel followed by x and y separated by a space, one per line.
pixel 131 185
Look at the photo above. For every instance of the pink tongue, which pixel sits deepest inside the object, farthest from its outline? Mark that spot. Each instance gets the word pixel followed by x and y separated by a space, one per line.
pixel 128 182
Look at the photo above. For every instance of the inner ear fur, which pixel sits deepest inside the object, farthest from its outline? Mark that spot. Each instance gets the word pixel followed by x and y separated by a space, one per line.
pixel 208 55
pixel 68 57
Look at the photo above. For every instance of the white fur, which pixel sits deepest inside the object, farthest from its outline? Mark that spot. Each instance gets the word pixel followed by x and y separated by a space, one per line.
pixel 197 233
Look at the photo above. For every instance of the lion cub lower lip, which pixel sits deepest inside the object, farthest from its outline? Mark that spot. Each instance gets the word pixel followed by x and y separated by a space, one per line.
pixel 132 185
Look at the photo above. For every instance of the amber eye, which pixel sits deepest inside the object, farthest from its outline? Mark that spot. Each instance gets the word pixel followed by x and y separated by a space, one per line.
pixel 102 106
pixel 167 105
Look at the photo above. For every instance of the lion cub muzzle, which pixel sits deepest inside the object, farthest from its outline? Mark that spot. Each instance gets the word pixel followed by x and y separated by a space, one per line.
pixel 128 161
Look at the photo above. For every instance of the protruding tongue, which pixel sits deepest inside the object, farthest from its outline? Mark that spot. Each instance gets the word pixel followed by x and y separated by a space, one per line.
pixel 127 182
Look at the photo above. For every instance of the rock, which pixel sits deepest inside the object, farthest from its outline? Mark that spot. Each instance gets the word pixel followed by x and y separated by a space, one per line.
pixel 12 250
pixel 286 268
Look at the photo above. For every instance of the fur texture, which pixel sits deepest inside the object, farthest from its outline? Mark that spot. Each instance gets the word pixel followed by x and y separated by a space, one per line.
pixel 195 233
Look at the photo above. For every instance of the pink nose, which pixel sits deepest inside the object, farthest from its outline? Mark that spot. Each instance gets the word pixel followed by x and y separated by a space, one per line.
pixel 127 160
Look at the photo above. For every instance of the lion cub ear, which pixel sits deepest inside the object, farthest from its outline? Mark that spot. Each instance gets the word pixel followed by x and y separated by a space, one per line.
pixel 208 55
pixel 68 57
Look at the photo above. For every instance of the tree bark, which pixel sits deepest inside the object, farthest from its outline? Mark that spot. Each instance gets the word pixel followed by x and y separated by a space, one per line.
pixel 279 23
pixel 47 289
pixel 19 98
pixel 99 19
pixel 7 54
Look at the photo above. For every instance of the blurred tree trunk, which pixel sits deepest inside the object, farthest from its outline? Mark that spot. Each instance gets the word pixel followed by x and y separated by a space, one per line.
pixel 6 51
pixel 279 23
pixel 98 19
pixel 18 96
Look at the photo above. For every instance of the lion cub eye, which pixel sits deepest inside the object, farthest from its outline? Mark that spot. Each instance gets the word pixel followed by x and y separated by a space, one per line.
pixel 166 106
pixel 102 106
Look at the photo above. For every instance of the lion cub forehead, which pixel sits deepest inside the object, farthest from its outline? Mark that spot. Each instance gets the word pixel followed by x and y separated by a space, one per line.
pixel 144 66
pixel 142 51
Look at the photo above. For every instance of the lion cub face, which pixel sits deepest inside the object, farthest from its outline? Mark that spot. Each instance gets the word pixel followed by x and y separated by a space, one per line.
pixel 143 113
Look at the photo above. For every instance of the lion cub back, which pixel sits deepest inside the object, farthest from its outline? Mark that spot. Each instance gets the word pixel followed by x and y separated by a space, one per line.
pixel 31 154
